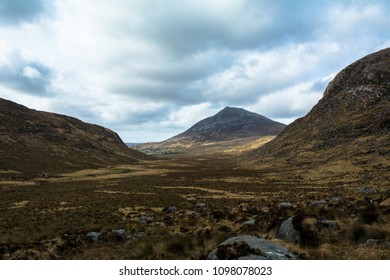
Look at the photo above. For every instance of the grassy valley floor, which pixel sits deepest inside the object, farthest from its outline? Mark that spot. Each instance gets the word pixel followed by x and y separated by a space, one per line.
pixel 182 208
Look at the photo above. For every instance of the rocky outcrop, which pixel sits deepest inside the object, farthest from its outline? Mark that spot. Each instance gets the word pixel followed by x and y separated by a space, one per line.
pixel 247 247
pixel 351 122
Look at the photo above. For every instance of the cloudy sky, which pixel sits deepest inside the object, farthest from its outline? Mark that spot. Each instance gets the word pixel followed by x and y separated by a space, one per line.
pixel 149 69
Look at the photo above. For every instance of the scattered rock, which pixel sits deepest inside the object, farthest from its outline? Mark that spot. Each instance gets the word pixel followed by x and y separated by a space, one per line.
pixel 287 232
pixel 328 224
pixel 285 205
pixel 95 236
pixel 250 223
pixel 247 247
pixel 145 220
pixel 377 242
pixel 201 205
pixel 336 200
pixel 138 234
pixel 191 213
pixel 366 176
pixel 365 190
pixel 318 203
pixel 170 209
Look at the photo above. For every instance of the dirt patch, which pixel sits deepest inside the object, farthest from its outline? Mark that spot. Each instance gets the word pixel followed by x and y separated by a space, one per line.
pixel 20 204
pixel 214 194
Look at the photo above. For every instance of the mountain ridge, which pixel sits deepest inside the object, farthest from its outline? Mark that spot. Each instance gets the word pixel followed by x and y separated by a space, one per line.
pixel 34 142
pixel 348 128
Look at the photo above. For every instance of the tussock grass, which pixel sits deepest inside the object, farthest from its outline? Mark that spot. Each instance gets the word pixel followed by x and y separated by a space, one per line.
pixel 34 217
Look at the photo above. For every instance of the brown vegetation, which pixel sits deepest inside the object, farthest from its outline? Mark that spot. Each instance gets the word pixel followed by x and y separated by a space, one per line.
pixel 51 218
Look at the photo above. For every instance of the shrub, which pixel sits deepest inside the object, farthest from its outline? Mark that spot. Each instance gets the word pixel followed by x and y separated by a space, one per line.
pixel 180 245
pixel 358 233
pixel 369 215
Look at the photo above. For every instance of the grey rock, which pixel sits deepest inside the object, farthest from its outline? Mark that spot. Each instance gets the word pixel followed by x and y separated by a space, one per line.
pixel 365 190
pixel 138 234
pixel 120 234
pixel 366 176
pixel 191 213
pixel 252 257
pixel 328 224
pixel 201 205
pixel 377 242
pixel 318 203
pixel 170 209
pixel 247 247
pixel 95 236
pixel 287 232
pixel 285 205
pixel 145 220
pixel 250 223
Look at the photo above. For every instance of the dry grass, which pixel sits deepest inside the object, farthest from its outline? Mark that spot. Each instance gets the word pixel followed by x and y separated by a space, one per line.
pixel 36 215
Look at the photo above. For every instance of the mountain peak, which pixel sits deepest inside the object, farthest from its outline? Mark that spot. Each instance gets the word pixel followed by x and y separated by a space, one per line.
pixel 235 112
pixel 230 123
pixel 228 129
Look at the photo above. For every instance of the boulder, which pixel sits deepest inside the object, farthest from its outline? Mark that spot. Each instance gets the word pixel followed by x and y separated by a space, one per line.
pixel 247 247
pixel 287 232
pixel 365 190
pixel 201 205
pixel 285 205
pixel 377 242
pixel 145 220
pixel 250 223
pixel 170 209
pixel 328 224
pixel 95 236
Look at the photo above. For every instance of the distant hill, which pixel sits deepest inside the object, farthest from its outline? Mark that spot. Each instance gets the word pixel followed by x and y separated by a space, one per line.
pixel 35 142
pixel 349 125
pixel 228 128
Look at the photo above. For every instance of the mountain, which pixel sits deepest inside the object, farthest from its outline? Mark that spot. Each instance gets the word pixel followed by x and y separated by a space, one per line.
pixel 349 125
pixel 231 126
pixel 35 142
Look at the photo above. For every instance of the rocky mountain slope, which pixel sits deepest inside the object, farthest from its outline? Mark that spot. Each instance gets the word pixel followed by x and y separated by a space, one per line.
pixel 349 125
pixel 229 124
pixel 34 142
pixel 228 128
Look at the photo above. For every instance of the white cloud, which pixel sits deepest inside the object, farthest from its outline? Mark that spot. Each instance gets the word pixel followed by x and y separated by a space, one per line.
pixel 150 69
pixel 189 115
pixel 289 103
pixel 31 72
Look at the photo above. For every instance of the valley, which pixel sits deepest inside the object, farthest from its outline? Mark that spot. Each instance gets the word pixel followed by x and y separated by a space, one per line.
pixel 183 207
pixel 234 186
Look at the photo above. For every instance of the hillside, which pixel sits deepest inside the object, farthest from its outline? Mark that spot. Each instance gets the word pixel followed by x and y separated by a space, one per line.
pixel 34 142
pixel 348 128
pixel 229 128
